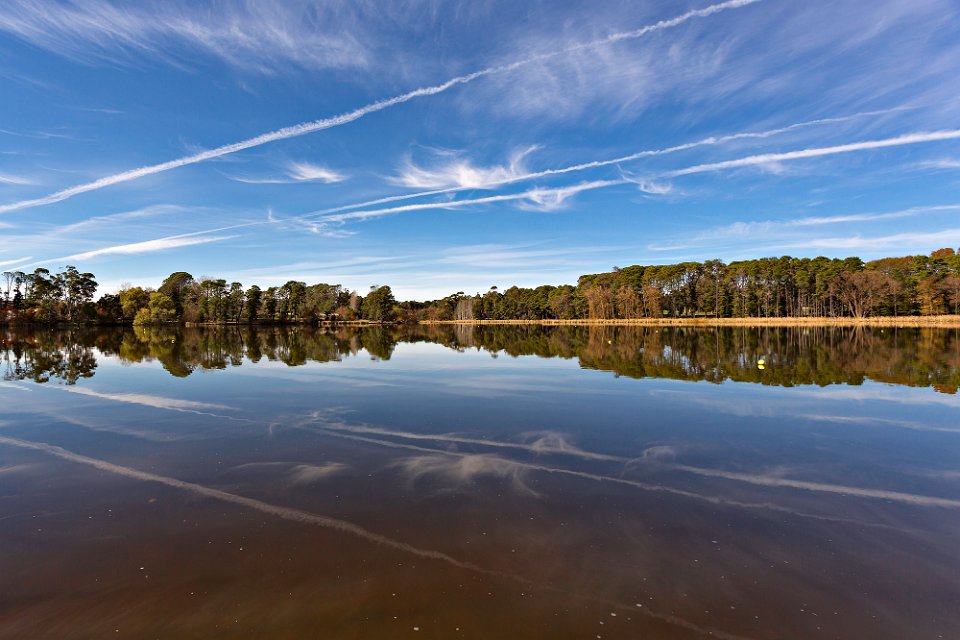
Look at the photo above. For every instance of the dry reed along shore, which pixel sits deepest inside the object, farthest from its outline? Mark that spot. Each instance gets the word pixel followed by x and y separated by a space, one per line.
pixel 945 321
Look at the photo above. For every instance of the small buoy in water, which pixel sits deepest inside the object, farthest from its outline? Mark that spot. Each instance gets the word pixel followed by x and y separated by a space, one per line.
pixel 609 341
pixel 761 362
pixel 761 367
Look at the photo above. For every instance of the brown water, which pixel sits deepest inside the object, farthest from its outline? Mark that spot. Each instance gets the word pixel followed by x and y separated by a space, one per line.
pixel 479 482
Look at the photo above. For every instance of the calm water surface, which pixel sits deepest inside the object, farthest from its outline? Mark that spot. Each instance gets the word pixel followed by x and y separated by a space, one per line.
pixel 480 482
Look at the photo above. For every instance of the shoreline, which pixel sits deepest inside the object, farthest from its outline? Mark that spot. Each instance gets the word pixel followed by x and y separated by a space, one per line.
pixel 943 321
pixel 940 321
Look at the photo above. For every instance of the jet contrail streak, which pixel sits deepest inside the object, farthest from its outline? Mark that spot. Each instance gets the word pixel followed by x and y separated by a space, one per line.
pixel 305 517
pixel 445 437
pixel 533 195
pixel 330 215
pixel 596 164
pixel 906 139
pixel 305 128
pixel 285 513
pixel 859 492
pixel 645 486
pixel 765 158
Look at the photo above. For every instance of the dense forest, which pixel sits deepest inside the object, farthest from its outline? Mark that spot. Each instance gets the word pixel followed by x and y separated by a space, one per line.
pixel 762 288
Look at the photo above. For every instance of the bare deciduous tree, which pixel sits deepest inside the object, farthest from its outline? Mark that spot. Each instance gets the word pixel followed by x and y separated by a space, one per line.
pixel 861 292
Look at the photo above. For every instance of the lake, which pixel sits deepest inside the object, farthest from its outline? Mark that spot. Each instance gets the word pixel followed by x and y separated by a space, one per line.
pixel 480 482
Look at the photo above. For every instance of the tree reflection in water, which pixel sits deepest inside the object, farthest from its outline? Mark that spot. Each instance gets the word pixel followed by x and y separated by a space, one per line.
pixel 792 356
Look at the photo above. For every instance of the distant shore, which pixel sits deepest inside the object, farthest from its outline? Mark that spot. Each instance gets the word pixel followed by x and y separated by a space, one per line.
pixel 945 321
pixel 941 321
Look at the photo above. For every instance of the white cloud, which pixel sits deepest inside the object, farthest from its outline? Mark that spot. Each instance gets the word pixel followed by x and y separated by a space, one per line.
pixel 870 217
pixel 499 176
pixel 297 172
pixel 903 242
pixel 12 23
pixel 147 246
pixel 250 36
pixel 311 473
pixel 279 511
pixel 248 180
pixel 778 236
pixel 768 228
pixel 945 164
pixel 158 402
pixel 36 135
pixel 292 474
pixel 456 473
pixel 538 442
pixel 123 216
pixel 86 238
pixel 301 224
pixel 554 198
pixel 806 58
pixel 541 199
pixel 501 256
pixel 347 261
pixel 306 172
pixel 6 178
pixel 461 174
pixel 651 187
pixel 5 263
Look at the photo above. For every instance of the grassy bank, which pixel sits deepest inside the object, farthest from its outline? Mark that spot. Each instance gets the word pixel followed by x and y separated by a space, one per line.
pixel 946 321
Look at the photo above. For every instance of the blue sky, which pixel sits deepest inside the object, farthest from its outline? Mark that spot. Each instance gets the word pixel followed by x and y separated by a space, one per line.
pixel 445 146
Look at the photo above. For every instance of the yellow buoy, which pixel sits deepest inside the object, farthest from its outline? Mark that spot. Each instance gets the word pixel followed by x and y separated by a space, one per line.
pixel 761 362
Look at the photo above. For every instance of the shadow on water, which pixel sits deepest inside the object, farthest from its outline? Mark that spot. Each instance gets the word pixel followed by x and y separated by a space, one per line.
pixel 919 357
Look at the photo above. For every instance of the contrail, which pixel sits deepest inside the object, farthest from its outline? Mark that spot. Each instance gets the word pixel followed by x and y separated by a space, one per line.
pixel 859 492
pixel 304 517
pixel 305 128
pixel 762 480
pixel 645 486
pixel 285 513
pixel 543 446
pixel 158 402
pixel 906 139
pixel 532 194
pixel 559 193
pixel 909 138
pixel 596 164
pixel 166 242
pixel 360 215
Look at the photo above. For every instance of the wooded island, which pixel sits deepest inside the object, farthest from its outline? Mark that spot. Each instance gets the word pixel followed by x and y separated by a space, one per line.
pixel 785 287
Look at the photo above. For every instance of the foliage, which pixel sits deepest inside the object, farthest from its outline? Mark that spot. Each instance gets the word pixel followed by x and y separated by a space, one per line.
pixel 65 296
pixel 133 299
pixel 765 287
pixel 159 310
pixel 823 355
pixel 378 305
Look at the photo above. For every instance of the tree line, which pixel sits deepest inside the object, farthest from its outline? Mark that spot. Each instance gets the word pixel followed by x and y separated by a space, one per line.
pixel 67 296
pixel 760 288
